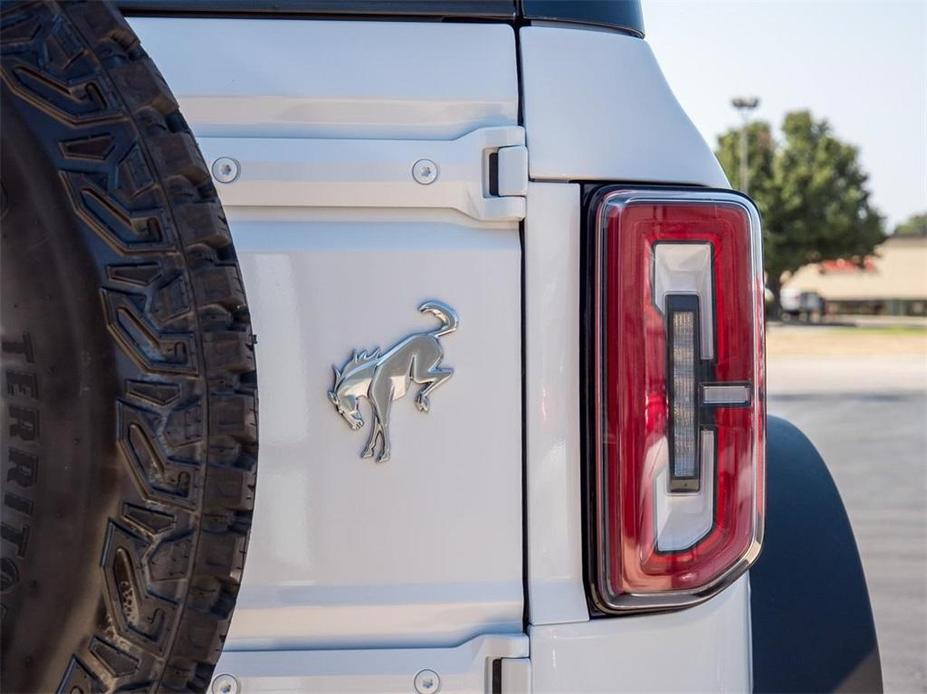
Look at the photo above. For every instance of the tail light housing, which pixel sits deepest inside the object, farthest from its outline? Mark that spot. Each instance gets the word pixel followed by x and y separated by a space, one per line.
pixel 676 418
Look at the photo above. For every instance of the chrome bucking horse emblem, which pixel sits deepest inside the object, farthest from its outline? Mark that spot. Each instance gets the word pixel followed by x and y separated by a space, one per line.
pixel 382 378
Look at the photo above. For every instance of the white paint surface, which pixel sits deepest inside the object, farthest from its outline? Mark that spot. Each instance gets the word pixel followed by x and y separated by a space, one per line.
pixel 555 571
pixel 426 549
pixel 353 173
pixel 702 649
pixel 598 108
pixel 459 669
pixel 423 549
pixel 335 79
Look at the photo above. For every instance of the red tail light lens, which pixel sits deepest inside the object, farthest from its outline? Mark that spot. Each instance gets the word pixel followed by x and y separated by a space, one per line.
pixel 678 412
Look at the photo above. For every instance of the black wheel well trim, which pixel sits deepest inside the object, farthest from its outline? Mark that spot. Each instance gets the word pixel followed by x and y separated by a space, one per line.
pixel 812 624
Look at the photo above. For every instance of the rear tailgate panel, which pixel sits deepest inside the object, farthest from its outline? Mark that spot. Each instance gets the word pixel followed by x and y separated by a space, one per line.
pixel 426 549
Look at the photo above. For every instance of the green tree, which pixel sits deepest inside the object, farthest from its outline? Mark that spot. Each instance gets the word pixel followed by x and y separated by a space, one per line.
pixel 811 191
pixel 915 225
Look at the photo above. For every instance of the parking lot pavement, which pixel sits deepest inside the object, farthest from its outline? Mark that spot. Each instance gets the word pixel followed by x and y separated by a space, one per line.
pixel 867 415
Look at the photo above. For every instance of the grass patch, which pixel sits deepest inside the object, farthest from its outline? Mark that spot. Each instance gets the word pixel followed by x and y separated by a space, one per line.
pixel 846 340
pixel 893 330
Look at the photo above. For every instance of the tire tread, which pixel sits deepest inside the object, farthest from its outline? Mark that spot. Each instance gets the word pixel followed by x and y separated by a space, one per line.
pixel 177 308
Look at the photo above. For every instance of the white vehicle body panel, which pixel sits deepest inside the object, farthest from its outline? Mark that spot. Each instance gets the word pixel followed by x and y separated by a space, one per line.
pixel 334 79
pixel 426 549
pixel 556 592
pixel 375 671
pixel 582 126
pixel 702 649
pixel 342 172
pixel 598 108
pixel 419 550
pixel 359 574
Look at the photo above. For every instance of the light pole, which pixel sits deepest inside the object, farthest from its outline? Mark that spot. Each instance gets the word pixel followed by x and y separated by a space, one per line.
pixel 744 106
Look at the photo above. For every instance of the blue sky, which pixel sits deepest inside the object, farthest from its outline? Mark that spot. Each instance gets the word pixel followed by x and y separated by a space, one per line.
pixel 861 64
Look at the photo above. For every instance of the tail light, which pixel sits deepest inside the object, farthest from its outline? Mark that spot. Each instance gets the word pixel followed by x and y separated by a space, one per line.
pixel 677 416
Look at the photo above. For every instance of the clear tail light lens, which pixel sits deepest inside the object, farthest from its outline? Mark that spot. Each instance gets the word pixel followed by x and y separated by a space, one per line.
pixel 678 397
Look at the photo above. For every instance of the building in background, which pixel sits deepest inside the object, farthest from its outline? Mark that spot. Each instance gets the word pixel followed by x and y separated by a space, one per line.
pixel 893 282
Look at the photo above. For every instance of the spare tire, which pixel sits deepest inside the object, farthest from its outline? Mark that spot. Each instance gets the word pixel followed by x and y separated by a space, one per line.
pixel 129 390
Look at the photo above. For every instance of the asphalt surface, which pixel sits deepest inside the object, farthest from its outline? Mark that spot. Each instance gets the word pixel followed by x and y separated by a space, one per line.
pixel 867 415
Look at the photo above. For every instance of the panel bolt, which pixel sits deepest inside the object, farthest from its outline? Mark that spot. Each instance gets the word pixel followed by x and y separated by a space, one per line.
pixel 225 684
pixel 225 169
pixel 425 171
pixel 427 681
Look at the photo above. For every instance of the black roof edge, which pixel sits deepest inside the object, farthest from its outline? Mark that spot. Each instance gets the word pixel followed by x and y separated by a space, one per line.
pixel 378 9
pixel 622 15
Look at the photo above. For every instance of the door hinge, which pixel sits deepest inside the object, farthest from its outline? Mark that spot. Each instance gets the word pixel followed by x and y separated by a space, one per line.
pixel 483 174
pixel 511 676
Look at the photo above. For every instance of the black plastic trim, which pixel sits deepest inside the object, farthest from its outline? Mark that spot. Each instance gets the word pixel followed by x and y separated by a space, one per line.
pixel 683 303
pixel 440 9
pixel 620 15
pixel 495 682
pixel 494 173
pixel 624 15
pixel 813 629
